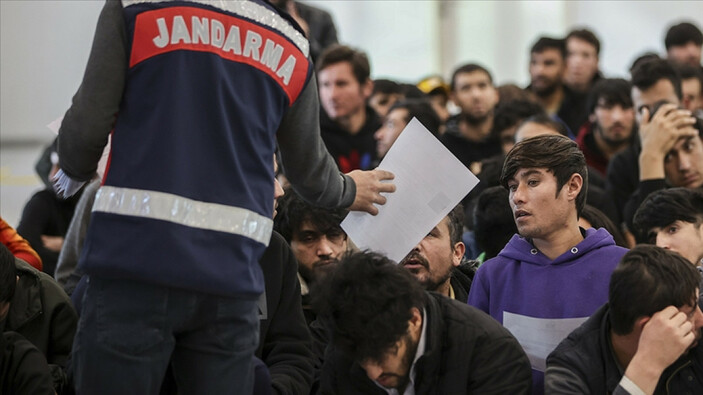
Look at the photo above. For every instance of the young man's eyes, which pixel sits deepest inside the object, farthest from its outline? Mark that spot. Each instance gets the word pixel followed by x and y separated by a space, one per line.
pixel 672 229
pixel 308 238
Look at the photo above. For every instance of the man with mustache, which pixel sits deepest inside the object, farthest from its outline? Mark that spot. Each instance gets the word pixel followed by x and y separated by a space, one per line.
pixel 611 124
pixel 316 238
pixel 438 262
pixel 645 340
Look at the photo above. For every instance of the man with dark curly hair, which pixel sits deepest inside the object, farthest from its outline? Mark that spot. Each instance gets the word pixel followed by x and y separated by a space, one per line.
pixel 316 239
pixel 391 336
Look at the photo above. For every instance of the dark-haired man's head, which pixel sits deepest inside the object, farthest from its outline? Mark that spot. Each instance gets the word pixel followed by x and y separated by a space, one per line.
pixel 654 81
pixel 644 57
pixel 683 44
pixel 494 224
pixel 673 219
pixel 431 261
pixel 374 310
pixel 314 234
pixel 538 125
pixel 473 91
pixel 611 112
pixel 547 65
pixel 647 280
pixel 385 94
pixel 582 50
pixel 592 217
pixel 508 116
pixel 397 119
pixel 691 87
pixel 344 84
pixel 8 280
pixel 547 180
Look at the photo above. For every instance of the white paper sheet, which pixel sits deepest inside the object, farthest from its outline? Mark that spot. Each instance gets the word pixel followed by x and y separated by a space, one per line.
pixel 539 336
pixel 55 125
pixel 429 181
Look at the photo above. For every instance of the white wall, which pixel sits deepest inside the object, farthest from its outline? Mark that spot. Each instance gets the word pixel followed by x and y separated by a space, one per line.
pixel 629 28
pixel 44 48
pixel 498 34
pixel 45 44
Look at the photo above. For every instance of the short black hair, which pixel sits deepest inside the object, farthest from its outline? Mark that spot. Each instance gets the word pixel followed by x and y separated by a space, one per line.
pixel 664 207
pixel 494 224
pixel 293 211
pixel 545 120
pixel 422 110
pixel 613 91
pixel 469 68
pixel 337 53
pixel 558 154
pixel 456 224
pixel 587 36
pixel 647 280
pixel 687 72
pixel 8 274
pixel 643 58
pixel 410 91
pixel 387 87
pixel 682 34
pixel 647 73
pixel 598 219
pixel 512 113
pixel 366 303
pixel 545 43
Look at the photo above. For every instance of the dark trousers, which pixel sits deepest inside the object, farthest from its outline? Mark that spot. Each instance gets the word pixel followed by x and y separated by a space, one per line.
pixel 129 331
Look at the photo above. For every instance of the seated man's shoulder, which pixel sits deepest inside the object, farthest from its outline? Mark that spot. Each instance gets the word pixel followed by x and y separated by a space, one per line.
pixel 459 316
pixel 44 286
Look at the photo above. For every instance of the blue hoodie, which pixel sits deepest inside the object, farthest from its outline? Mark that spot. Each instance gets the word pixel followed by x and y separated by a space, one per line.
pixel 542 300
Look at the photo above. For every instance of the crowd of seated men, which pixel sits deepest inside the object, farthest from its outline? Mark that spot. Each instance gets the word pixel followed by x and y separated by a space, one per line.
pixel 536 282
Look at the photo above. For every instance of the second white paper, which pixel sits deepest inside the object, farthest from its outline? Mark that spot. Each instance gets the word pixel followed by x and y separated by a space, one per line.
pixel 429 182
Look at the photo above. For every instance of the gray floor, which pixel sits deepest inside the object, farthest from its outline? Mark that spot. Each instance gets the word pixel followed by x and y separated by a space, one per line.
pixel 18 181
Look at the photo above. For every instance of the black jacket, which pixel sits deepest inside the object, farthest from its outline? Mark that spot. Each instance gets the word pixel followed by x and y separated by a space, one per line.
pixel 623 177
pixel 42 312
pixel 465 150
pixel 584 363
pixel 460 281
pixel 285 345
pixel 23 368
pixel 466 352
pixel 351 151
pixel 46 214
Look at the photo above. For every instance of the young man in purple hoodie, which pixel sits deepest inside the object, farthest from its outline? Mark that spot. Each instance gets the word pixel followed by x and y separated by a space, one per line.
pixel 553 275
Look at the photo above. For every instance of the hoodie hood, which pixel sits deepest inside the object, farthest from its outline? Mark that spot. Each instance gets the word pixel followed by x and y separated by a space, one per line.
pixel 520 249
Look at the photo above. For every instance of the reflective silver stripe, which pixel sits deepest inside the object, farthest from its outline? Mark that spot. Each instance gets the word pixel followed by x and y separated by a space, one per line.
pixel 252 11
pixel 184 211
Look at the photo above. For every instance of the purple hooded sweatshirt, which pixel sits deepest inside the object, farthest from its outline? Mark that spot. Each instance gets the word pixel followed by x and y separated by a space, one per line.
pixel 541 300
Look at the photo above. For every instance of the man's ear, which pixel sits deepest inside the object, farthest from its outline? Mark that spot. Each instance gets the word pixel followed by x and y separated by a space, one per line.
pixel 367 88
pixel 458 253
pixel 573 186
pixel 639 324
pixel 415 322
